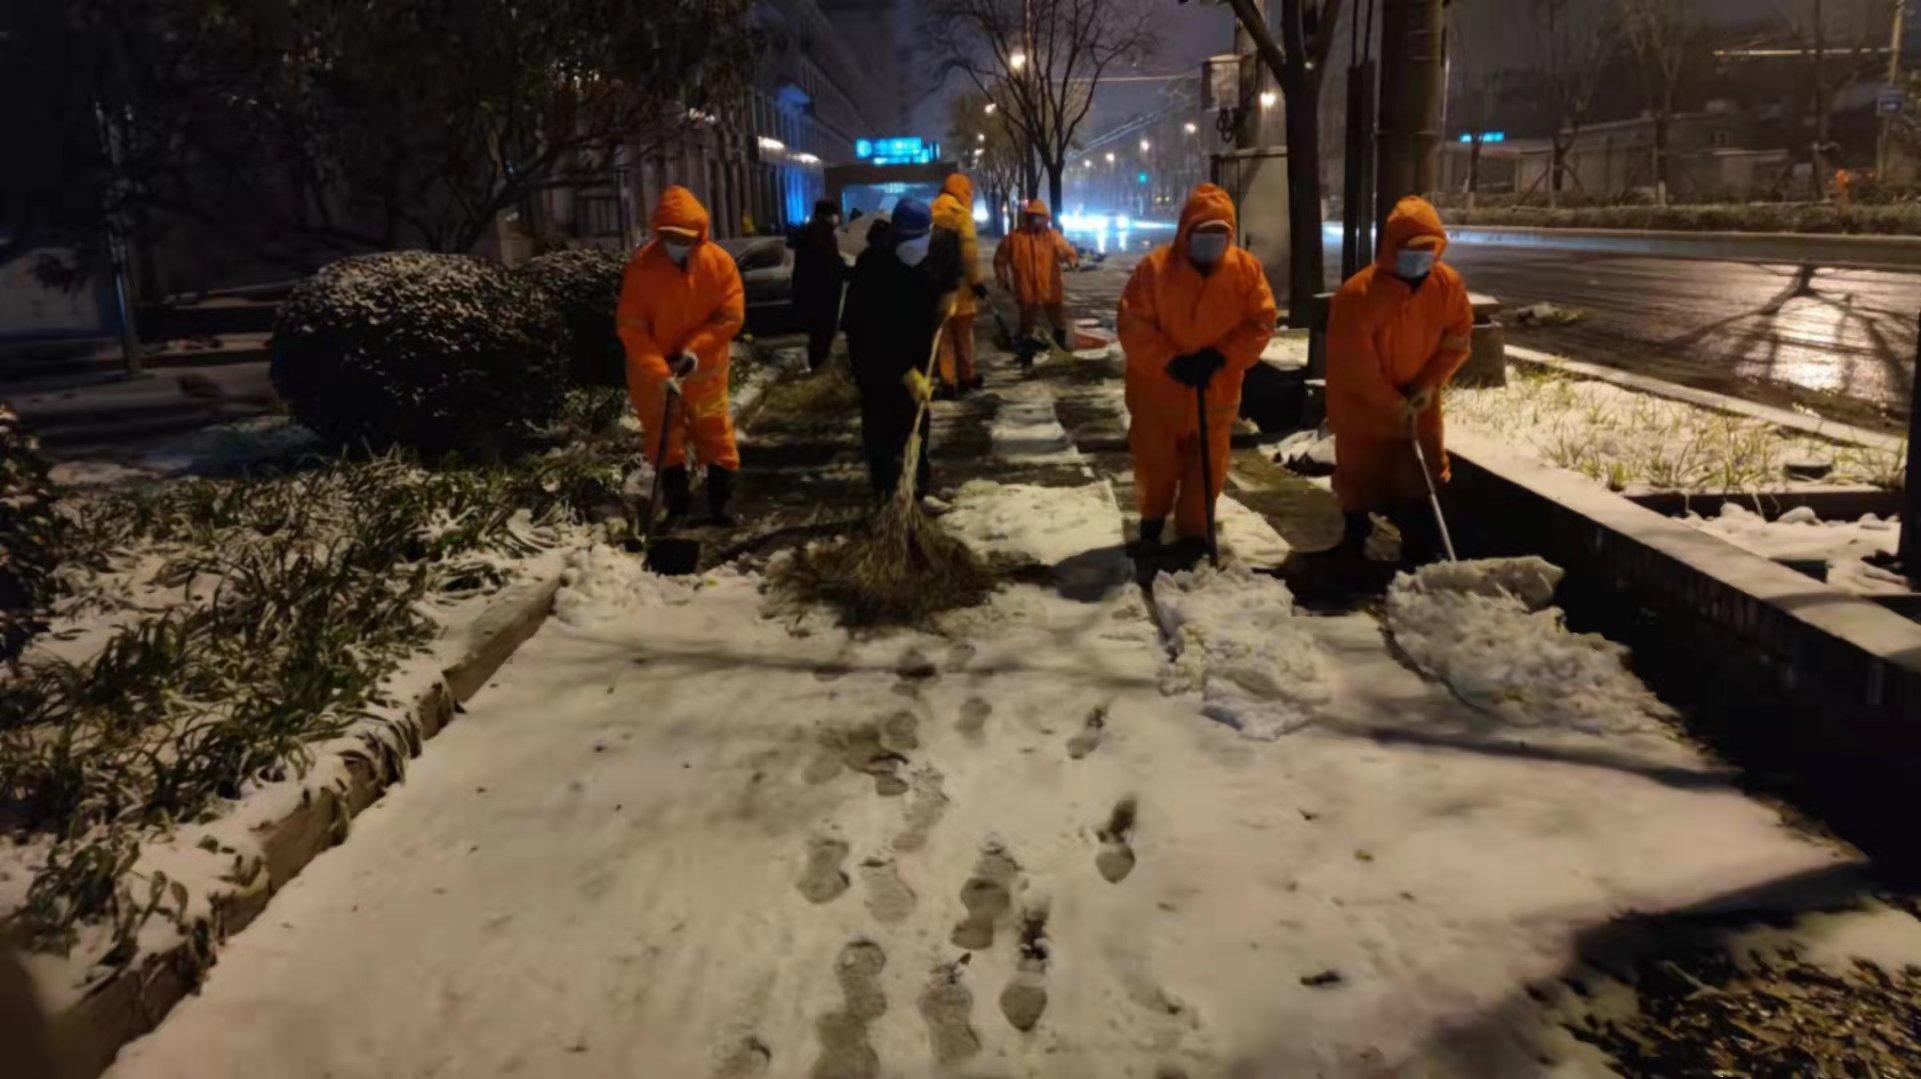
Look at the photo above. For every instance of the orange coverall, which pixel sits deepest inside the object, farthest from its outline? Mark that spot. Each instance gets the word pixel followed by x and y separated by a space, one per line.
pixel 666 310
pixel 1169 309
pixel 954 210
pixel 1028 264
pixel 1385 341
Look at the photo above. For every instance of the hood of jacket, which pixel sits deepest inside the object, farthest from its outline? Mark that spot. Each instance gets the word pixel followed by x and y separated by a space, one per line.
pixel 1207 202
pixel 1413 217
pixel 679 209
pixel 958 185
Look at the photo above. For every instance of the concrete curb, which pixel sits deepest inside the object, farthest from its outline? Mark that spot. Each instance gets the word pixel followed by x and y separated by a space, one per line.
pixel 1898 253
pixel 89 1034
pixel 1855 666
pixel 1832 430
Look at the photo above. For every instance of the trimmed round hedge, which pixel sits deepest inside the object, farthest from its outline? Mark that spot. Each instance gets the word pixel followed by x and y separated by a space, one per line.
pixel 437 352
pixel 30 534
pixel 584 287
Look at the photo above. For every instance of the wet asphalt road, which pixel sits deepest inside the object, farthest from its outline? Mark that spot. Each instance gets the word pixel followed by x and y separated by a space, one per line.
pixel 1841 341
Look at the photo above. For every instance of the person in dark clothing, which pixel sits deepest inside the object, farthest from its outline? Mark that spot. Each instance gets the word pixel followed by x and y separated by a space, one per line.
pixel 819 273
pixel 903 286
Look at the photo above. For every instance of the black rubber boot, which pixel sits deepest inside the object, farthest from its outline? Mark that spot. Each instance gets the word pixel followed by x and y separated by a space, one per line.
pixel 1151 529
pixel 720 492
pixel 675 492
pixel 1355 528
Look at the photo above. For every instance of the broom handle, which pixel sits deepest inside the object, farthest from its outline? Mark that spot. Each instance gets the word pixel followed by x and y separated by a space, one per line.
pixel 660 460
pixel 1207 473
pixel 910 461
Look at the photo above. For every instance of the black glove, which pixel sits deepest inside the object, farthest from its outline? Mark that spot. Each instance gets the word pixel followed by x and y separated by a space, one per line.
pixel 1196 369
pixel 980 292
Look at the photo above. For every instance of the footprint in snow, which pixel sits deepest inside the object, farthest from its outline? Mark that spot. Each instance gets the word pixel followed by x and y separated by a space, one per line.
pixel 749 1058
pixel 948 1009
pixel 924 809
pixel 1089 736
pixel 845 1052
pixel 1116 857
pixel 889 899
pixel 915 666
pixel 1025 997
pixel 973 719
pixel 986 895
pixel 823 880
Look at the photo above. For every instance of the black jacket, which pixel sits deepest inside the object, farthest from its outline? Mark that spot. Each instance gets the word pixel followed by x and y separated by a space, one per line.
pixel 893 309
pixel 818 268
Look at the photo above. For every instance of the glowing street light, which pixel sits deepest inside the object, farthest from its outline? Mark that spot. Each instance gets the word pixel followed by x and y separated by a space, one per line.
pixel 989 110
pixel 1191 127
pixel 1268 98
pixel 1017 61
pixel 980 136
pixel 1146 146
pixel 1088 163
pixel 1110 157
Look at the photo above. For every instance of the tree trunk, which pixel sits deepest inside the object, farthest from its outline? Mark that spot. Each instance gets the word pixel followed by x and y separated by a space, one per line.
pixel 1055 172
pixel 1473 168
pixel 1662 121
pixel 1306 270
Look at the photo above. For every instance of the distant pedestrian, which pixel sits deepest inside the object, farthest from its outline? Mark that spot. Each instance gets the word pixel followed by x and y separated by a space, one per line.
pixel 903 287
pixel 1397 332
pixel 1194 317
pixel 681 303
pixel 954 213
pixel 819 275
pixel 1028 264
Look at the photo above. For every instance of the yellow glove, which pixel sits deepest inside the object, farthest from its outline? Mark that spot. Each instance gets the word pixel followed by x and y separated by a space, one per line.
pixel 918 385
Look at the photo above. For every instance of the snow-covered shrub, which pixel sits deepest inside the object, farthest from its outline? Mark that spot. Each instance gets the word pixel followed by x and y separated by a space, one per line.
pixel 438 352
pixel 30 533
pixel 583 286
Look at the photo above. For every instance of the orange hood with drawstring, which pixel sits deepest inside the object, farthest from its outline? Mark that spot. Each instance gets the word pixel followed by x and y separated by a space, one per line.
pixel 1170 308
pixel 1028 262
pixel 666 309
pixel 954 210
pixel 1387 340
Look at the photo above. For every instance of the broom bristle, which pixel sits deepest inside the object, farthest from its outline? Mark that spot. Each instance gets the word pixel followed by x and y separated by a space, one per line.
pixel 902 569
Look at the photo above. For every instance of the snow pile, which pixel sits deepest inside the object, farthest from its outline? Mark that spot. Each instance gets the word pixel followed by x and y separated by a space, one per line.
pixel 1310 453
pixel 1460 624
pixel 1245 536
pixel 605 585
pixel 1798 535
pixel 1546 314
pixel 1231 635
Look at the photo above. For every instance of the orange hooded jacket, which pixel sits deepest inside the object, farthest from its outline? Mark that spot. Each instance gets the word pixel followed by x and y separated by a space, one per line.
pixel 1169 309
pixel 1028 263
pixel 1386 340
pixel 954 210
pixel 667 309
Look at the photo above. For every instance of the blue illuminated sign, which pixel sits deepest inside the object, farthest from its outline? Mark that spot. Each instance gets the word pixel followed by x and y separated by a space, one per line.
pixel 1486 136
pixel 863 148
pixel 1142 177
pixel 905 150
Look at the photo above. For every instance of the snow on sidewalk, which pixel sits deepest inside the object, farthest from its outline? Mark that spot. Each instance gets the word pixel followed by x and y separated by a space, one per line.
pixel 679 838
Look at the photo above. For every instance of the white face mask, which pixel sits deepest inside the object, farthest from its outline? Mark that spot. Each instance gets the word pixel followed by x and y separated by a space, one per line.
pixel 911 252
pixel 677 252
pixel 1206 248
pixel 1411 263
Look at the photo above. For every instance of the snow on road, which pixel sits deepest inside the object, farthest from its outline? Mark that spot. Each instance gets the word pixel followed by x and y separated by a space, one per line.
pixel 680 837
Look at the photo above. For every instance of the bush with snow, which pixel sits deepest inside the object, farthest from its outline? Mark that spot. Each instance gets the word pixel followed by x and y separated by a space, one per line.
pixel 583 287
pixel 438 352
pixel 30 535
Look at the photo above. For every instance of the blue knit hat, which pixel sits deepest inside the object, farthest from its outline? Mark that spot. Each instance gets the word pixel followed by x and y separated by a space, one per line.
pixel 912 218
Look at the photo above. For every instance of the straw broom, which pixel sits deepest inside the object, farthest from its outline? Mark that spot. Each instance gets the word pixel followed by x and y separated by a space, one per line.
pixel 904 566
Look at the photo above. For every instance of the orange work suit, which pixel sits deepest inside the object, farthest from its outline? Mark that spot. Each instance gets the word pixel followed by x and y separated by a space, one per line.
pixel 954 211
pixel 1385 341
pixel 666 309
pixel 1028 264
pixel 1170 308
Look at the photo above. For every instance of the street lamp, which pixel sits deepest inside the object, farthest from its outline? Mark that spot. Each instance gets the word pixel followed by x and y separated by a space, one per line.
pixel 1145 146
pixel 1087 163
pixel 1268 98
pixel 1191 127
pixel 989 110
pixel 1017 61
pixel 1110 157
pixel 980 136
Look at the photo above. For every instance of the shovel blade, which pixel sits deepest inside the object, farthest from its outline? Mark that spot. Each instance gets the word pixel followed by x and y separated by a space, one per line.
pixel 671 557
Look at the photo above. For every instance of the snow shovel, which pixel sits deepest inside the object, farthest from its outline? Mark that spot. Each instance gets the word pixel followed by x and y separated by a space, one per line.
pixel 1433 494
pixel 1207 474
pixel 667 556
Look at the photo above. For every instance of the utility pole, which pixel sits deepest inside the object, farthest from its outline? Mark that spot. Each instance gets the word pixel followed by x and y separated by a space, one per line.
pixel 1413 75
pixel 1886 118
